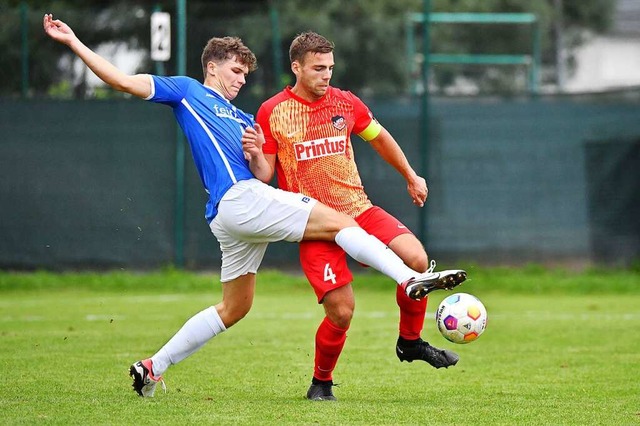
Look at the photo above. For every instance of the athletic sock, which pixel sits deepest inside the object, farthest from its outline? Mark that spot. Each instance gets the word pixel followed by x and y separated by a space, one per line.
pixel 367 249
pixel 197 331
pixel 329 343
pixel 411 315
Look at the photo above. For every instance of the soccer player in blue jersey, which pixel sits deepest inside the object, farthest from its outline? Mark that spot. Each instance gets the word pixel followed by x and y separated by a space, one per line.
pixel 243 213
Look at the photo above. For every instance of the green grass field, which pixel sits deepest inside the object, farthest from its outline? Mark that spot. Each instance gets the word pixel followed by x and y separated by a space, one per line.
pixel 561 348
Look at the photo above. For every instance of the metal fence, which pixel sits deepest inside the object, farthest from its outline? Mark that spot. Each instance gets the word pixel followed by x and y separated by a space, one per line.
pixel 98 183
pixel 91 184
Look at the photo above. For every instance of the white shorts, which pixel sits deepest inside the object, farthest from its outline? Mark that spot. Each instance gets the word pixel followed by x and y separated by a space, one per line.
pixel 250 216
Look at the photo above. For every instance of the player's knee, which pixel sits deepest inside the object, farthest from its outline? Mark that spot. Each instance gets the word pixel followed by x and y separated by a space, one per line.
pixel 343 322
pixel 232 313
pixel 418 261
pixel 341 315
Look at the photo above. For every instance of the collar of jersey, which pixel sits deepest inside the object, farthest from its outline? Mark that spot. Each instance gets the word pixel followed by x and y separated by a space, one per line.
pixel 221 95
pixel 304 101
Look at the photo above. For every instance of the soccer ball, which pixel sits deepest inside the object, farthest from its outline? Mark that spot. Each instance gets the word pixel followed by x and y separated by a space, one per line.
pixel 461 318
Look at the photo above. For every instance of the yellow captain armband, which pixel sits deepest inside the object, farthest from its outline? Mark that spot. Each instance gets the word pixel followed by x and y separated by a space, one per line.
pixel 372 131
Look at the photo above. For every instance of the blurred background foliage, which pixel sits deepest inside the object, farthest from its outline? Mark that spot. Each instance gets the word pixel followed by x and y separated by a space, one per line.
pixel 370 36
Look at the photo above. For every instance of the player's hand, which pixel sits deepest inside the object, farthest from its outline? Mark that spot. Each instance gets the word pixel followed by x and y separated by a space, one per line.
pixel 417 188
pixel 57 30
pixel 252 141
pixel 259 136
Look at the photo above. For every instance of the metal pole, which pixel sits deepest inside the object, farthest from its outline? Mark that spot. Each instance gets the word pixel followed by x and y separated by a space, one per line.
pixel 24 27
pixel 276 45
pixel 535 66
pixel 558 27
pixel 424 118
pixel 181 8
pixel 411 55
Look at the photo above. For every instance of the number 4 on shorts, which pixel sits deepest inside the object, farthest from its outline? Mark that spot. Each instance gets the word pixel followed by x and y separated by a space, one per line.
pixel 328 274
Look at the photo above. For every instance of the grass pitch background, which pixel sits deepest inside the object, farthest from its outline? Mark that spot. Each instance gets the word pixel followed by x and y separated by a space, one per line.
pixel 560 348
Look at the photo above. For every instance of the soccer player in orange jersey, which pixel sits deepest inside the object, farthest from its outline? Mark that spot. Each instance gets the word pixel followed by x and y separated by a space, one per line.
pixel 307 131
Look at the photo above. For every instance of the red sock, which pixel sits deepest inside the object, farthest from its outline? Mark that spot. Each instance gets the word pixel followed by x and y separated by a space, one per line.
pixel 411 315
pixel 329 343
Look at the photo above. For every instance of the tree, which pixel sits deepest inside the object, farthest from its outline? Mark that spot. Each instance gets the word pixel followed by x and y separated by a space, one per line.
pixel 51 65
pixel 370 37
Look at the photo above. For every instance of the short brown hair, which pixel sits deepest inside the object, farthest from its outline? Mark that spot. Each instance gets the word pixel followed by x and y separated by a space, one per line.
pixel 308 42
pixel 220 49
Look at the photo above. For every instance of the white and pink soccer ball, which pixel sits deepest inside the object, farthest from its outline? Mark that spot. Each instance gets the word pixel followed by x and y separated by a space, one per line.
pixel 461 318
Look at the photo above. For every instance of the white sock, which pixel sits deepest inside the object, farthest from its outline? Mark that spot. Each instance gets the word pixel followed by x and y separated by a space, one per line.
pixel 197 331
pixel 367 249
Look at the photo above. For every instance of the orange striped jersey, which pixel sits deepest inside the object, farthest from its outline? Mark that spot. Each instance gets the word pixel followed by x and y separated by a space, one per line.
pixel 313 145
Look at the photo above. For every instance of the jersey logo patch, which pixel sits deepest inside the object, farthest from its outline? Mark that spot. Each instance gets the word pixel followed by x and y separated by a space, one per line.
pixel 224 112
pixel 339 122
pixel 317 148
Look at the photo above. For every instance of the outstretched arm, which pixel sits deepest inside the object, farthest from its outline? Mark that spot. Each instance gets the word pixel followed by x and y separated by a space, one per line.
pixel 390 151
pixel 138 85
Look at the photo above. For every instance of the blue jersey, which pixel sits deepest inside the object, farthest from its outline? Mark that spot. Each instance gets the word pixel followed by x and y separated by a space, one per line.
pixel 213 127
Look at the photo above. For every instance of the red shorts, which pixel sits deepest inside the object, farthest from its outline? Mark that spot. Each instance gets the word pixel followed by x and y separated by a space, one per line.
pixel 325 263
